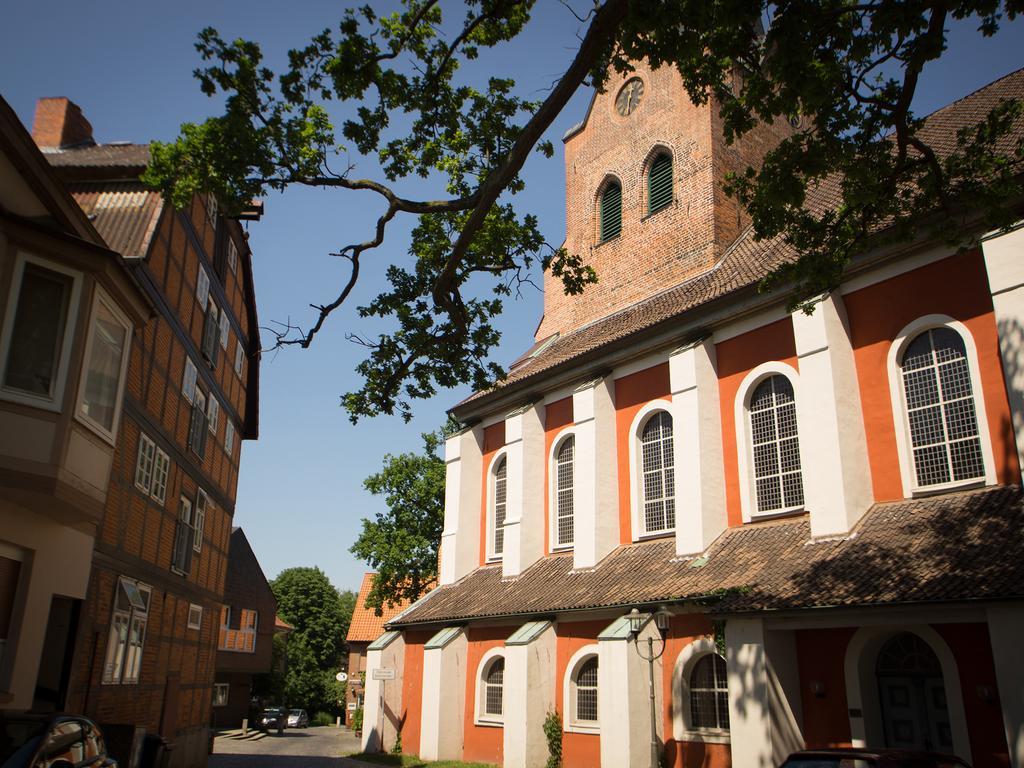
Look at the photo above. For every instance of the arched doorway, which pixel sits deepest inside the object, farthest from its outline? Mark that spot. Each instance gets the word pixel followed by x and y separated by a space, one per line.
pixel 912 695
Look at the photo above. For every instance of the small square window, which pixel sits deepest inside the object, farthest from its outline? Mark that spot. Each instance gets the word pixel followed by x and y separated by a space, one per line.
pixel 195 616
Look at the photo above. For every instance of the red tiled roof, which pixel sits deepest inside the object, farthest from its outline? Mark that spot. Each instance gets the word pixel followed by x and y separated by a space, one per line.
pixel 124 213
pixel 366 625
pixel 280 625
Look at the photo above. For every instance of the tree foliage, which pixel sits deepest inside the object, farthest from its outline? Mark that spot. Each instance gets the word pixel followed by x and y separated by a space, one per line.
pixel 847 71
pixel 401 543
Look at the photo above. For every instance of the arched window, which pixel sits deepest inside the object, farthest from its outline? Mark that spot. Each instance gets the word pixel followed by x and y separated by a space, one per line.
pixel 564 481
pixel 939 401
pixel 499 496
pixel 493 692
pixel 659 183
pixel 658 474
pixel 585 692
pixel 778 481
pixel 709 694
pixel 611 211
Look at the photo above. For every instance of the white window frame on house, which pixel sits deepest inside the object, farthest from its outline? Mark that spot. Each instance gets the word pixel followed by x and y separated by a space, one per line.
pixel 127 637
pixel 195 616
pixel 197 425
pixel 101 300
pixel 492 485
pixel 212 414
pixel 229 436
pixel 570 721
pixel 894 366
pixel 225 329
pixel 569 433
pixel 202 287
pixel 682 715
pixel 189 380
pixel 199 519
pixel 211 333
pixel 161 473
pixel 481 716
pixel 636 480
pixel 152 468
pixel 744 439
pixel 232 255
pixel 55 399
pixel 181 554
pixel 211 208
pixel 239 355
pixel 221 691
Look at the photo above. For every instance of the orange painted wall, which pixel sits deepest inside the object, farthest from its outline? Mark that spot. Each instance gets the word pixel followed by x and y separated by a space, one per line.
pixel 631 394
pixel 820 657
pixel 972 649
pixel 686 754
pixel 557 416
pixel 481 743
pixel 412 699
pixel 579 750
pixel 956 286
pixel 736 358
pixel 494 439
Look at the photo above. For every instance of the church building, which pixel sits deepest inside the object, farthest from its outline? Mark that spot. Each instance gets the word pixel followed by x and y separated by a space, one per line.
pixel 702 529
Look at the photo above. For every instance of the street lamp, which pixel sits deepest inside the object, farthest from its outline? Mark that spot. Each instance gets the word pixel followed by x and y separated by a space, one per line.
pixel 637 621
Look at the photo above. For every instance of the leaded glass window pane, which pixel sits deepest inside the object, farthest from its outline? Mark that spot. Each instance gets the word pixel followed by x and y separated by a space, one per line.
pixel 709 694
pixel 564 478
pixel 586 691
pixel 500 498
pixel 778 479
pixel 658 481
pixel 493 685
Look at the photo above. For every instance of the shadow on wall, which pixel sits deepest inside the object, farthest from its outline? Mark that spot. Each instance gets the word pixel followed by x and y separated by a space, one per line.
pixel 1011 336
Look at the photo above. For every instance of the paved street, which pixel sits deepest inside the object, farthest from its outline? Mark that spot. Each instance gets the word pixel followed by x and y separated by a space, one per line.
pixel 298 748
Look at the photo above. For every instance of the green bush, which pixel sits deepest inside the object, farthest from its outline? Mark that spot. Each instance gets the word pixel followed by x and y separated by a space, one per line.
pixel 553 732
pixel 322 718
pixel 357 720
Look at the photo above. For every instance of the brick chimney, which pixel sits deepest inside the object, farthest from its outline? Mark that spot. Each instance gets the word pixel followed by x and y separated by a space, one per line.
pixel 59 123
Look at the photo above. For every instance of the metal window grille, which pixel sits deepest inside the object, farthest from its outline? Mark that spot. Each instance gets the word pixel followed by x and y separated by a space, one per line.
pixel 493 685
pixel 500 495
pixel 659 184
pixel 778 478
pixel 658 474
pixel 586 691
pixel 564 489
pixel 940 409
pixel 611 212
pixel 709 694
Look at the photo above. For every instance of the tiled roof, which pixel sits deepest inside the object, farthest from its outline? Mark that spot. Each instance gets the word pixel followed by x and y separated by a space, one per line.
pixel 961 546
pixel 280 625
pixel 124 213
pixel 100 156
pixel 747 261
pixel 366 625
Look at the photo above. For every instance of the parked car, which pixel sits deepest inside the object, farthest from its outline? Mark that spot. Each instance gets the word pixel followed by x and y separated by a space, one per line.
pixel 871 758
pixel 52 741
pixel 272 719
pixel 297 718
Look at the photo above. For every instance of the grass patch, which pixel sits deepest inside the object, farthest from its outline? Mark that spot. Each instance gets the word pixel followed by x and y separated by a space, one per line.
pixel 411 761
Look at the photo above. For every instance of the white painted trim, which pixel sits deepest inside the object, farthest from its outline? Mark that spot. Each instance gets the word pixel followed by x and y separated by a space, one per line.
pixel 891 269
pixel 100 297
pixel 56 401
pixel 861 686
pixel 635 481
pixel 569 722
pixel 748 323
pixel 682 727
pixel 479 716
pixel 492 418
pixel 745 461
pixel 560 437
pixel 641 364
pixel 899 410
pixel 560 394
pixel 501 453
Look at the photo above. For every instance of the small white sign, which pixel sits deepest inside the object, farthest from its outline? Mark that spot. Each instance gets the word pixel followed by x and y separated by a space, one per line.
pixel 341 677
pixel 384 673
pixel 351 705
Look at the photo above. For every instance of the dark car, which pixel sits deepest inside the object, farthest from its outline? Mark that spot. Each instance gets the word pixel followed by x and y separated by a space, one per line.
pixel 272 719
pixel 52 741
pixel 297 718
pixel 871 758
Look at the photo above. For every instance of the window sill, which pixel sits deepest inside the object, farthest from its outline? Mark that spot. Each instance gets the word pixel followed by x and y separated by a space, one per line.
pixel 762 516
pixel 612 239
pixel 935 490
pixel 655 535
pixel 488 723
pixel 97 429
pixel 666 207
pixel 707 737
pixel 34 401
pixel 592 730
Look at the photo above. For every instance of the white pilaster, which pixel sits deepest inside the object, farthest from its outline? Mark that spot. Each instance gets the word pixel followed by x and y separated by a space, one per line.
pixel 444 697
pixel 624 705
pixel 749 711
pixel 460 539
pixel 529 696
pixel 524 511
pixel 1004 262
pixel 699 470
pixel 1005 629
pixel 596 524
pixel 837 488
pixel 382 700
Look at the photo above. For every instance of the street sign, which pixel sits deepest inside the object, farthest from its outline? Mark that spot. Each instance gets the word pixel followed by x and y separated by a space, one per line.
pixel 351 705
pixel 384 673
pixel 341 677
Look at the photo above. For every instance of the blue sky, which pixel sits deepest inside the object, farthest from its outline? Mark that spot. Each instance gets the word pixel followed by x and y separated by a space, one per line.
pixel 129 66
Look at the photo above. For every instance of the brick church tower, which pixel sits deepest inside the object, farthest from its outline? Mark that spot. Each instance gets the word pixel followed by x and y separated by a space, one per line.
pixel 644 201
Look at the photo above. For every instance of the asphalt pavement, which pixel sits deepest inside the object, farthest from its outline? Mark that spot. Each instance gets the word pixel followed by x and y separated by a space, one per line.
pixel 295 748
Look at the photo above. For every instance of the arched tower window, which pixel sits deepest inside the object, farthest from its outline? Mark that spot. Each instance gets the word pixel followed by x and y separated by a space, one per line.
pixel 659 183
pixel 658 474
pixel 499 496
pixel 564 489
pixel 611 211
pixel 775 446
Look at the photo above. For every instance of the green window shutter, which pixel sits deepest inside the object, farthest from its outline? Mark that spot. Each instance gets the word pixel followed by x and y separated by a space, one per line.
pixel 611 212
pixel 659 184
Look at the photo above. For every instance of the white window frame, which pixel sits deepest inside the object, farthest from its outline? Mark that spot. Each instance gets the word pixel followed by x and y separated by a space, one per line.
pixel 239 355
pixel 185 517
pixel 492 467
pixel 560 437
pixel 682 723
pixel 899 407
pixel 744 442
pixel 202 287
pixel 211 207
pixel 161 475
pixel 232 255
pixel 199 519
pixel 189 380
pixel 195 616
pixel 225 329
pixel 55 401
pixel 229 436
pixel 136 618
pixel 221 692
pixel 636 483
pixel 212 414
pixel 101 297
pixel 145 464
pixel 481 717
pixel 570 723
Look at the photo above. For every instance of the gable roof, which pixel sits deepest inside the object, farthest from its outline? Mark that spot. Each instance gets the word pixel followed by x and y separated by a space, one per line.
pixel 366 625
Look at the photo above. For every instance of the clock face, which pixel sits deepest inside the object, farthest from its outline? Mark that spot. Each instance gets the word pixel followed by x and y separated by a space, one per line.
pixel 629 97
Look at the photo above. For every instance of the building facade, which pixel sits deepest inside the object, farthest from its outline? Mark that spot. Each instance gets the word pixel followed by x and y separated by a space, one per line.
pixel 147 638
pixel 804 528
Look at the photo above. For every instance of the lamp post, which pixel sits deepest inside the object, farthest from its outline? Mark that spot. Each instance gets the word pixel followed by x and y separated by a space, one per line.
pixel 637 621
